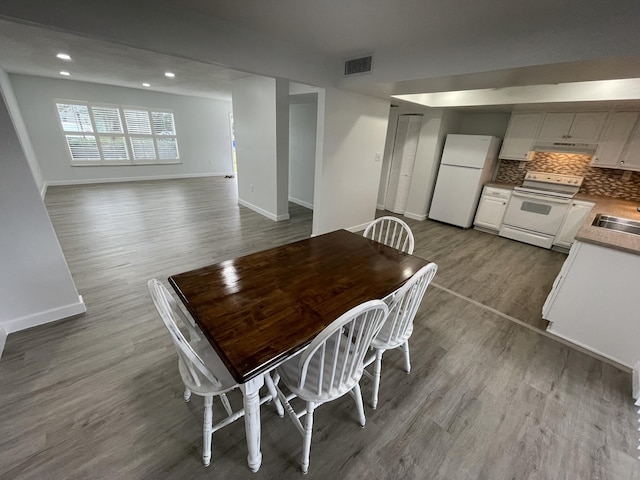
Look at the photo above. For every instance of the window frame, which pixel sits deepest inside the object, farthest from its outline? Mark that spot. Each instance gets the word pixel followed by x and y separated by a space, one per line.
pixel 126 135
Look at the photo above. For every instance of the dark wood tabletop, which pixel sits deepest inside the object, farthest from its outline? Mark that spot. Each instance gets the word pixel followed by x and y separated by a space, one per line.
pixel 259 309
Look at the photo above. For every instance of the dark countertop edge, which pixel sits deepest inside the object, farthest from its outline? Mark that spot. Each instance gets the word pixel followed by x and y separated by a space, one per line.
pixel 603 237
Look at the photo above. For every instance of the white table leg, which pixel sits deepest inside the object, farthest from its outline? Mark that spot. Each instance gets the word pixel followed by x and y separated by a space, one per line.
pixel 251 398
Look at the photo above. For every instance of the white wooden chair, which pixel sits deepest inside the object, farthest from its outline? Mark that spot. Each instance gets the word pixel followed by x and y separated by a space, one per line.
pixel 331 366
pixel 201 369
pixel 392 232
pixel 398 326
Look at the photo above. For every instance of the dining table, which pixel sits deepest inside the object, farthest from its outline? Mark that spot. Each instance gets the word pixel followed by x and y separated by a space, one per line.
pixel 260 309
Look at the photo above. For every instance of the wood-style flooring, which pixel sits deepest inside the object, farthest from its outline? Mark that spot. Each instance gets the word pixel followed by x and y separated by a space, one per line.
pixel 99 396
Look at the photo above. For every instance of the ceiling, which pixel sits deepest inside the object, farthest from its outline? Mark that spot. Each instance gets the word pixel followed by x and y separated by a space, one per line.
pixel 31 50
pixel 382 27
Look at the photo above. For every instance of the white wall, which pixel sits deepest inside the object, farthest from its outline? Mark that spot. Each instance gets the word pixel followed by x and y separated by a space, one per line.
pixel 389 142
pixel 202 126
pixel 302 148
pixel 21 129
pixel 351 131
pixel 35 286
pixel 494 124
pixel 257 101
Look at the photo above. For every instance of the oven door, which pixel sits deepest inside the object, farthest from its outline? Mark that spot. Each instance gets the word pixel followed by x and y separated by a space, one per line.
pixel 534 219
pixel 537 213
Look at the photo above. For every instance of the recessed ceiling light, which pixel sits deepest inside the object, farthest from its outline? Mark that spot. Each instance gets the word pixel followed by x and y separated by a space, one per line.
pixel 66 74
pixel 63 56
pixel 169 74
pixel 146 84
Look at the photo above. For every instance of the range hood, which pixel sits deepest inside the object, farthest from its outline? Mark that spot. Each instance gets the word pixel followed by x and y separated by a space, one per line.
pixel 565 147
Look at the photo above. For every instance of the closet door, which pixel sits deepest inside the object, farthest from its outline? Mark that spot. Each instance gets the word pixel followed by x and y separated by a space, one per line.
pixel 402 161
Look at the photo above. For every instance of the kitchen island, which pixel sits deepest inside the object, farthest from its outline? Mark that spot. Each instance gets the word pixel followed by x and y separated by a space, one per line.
pixel 594 302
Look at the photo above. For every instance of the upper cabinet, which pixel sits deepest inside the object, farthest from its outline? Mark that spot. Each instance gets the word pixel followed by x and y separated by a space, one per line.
pixel 631 157
pixel 520 135
pixel 572 127
pixel 614 139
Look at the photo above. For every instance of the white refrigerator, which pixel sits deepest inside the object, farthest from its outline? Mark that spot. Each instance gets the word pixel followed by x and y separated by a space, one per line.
pixel 468 162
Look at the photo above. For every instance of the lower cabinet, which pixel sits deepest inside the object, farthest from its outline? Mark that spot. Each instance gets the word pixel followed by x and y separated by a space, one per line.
pixel 573 220
pixel 493 204
pixel 594 302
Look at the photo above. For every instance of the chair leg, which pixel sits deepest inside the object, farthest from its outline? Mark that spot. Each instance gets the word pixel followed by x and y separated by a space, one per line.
pixel 407 359
pixel 226 404
pixel 306 440
pixel 377 369
pixel 274 395
pixel 187 394
pixel 207 430
pixel 358 397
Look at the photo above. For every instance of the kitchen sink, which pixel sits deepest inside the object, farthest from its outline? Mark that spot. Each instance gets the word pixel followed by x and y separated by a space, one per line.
pixel 617 223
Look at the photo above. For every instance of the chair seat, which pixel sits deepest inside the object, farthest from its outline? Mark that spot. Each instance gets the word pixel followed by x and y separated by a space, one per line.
pixel 213 362
pixel 380 340
pixel 290 374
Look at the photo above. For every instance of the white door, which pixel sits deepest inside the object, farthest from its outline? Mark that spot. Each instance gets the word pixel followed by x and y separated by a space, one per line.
pixel 402 161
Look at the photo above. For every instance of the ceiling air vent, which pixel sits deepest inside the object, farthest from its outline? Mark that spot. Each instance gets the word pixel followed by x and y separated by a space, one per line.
pixel 358 65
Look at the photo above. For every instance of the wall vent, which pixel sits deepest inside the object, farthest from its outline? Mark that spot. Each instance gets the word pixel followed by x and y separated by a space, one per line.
pixel 354 66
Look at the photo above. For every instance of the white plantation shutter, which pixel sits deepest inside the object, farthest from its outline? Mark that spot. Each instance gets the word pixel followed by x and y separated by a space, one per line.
pixel 125 136
pixel 74 118
pixel 138 122
pixel 114 148
pixel 107 119
pixel 167 148
pixel 142 148
pixel 163 123
pixel 83 147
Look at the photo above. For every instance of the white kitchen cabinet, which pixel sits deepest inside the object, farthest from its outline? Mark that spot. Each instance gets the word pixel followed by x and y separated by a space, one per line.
pixel 630 159
pixel 572 127
pixel 491 209
pixel 615 137
pixel 573 220
pixel 520 135
pixel 594 302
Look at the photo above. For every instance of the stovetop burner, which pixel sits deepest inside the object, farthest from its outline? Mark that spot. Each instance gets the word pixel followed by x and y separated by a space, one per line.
pixel 551 184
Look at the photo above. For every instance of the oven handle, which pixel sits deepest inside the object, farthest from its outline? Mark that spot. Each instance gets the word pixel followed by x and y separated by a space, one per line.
pixel 541 198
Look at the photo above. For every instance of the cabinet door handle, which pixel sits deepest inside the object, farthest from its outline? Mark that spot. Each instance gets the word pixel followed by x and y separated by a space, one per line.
pixel 568 136
pixel 621 162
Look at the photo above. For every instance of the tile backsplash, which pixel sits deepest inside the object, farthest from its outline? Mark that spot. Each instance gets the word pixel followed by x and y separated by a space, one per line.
pixel 597 181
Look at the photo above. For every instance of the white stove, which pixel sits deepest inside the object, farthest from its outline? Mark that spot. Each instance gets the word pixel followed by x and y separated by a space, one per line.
pixel 550 184
pixel 538 207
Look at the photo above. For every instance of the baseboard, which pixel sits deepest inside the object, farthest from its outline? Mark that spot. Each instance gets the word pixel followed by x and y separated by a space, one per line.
pixel 43 192
pixel 302 203
pixel 415 216
pixel 379 207
pixel 40 318
pixel 3 339
pixel 264 213
pixel 358 228
pixel 90 181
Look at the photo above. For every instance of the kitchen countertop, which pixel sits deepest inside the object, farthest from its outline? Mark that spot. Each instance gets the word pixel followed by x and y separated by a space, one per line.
pixel 625 242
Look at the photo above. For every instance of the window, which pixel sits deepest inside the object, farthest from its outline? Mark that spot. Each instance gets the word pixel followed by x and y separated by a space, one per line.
pixel 115 135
